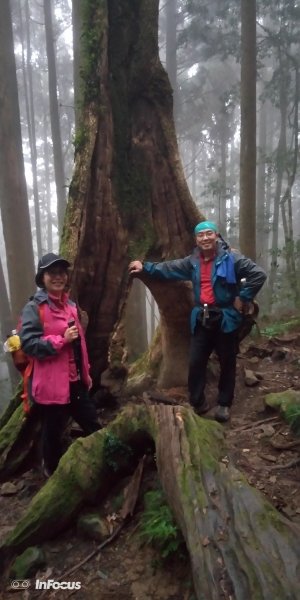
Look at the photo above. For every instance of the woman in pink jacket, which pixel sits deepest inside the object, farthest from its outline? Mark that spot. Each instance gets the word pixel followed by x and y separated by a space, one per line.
pixel 52 335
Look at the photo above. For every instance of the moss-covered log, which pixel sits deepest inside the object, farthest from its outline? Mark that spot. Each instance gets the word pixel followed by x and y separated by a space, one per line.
pixel 18 437
pixel 232 533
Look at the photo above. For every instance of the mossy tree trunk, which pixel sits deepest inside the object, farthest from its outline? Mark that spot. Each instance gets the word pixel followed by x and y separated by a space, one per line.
pixel 128 198
pixel 239 545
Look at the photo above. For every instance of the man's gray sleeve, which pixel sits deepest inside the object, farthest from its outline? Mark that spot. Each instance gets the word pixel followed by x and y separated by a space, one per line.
pixel 255 276
pixel 176 270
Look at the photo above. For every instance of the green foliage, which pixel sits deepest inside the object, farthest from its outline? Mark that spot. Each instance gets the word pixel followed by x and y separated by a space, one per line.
pixel 115 452
pixel 292 415
pixel 279 327
pixel 79 139
pixel 158 526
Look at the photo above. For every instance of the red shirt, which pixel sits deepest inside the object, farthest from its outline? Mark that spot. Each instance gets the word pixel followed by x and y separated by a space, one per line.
pixel 206 290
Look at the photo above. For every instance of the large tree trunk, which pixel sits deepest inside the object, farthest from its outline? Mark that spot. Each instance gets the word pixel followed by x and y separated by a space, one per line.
pixel 128 198
pixel 236 540
pixel 248 129
pixel 13 193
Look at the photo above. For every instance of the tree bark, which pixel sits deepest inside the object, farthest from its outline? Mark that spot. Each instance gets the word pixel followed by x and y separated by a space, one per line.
pixel 248 129
pixel 128 198
pixel 171 50
pixel 235 538
pixel 14 202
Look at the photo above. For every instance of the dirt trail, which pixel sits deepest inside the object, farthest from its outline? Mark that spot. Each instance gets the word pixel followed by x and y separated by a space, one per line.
pixel 257 440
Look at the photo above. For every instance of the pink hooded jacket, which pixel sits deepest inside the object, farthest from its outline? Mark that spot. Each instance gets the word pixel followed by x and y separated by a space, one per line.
pixel 45 342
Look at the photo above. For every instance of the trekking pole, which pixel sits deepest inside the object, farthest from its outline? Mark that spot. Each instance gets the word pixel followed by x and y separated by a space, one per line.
pixel 76 346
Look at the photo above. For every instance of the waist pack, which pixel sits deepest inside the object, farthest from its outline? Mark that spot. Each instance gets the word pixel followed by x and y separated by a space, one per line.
pixel 210 317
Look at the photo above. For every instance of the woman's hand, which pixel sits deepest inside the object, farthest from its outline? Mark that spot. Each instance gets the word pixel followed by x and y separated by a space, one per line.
pixel 71 334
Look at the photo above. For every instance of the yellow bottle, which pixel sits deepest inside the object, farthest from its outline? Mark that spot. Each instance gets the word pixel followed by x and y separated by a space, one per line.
pixel 13 342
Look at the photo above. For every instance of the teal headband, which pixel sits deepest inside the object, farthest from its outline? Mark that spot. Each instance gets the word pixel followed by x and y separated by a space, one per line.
pixel 205 225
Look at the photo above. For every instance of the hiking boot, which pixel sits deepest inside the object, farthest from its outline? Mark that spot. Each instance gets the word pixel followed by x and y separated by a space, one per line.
pixel 222 414
pixel 203 408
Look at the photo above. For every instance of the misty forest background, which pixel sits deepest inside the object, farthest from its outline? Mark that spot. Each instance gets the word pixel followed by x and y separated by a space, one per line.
pixel 208 49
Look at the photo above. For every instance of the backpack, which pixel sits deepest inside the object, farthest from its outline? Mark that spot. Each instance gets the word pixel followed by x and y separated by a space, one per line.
pixel 249 320
pixel 24 363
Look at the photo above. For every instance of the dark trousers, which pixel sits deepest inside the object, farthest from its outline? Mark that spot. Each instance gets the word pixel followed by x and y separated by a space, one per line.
pixel 54 420
pixel 203 342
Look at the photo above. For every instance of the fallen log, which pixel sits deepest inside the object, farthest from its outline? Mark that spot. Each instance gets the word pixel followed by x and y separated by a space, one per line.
pixel 233 534
pixel 18 438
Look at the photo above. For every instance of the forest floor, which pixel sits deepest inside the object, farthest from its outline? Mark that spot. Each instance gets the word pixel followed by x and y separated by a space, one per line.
pixel 127 570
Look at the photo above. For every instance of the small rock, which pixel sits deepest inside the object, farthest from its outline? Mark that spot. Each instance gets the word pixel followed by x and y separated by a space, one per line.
pixel 254 360
pixel 8 489
pixel 250 378
pixel 269 457
pixel 28 563
pixel 280 353
pixel 267 430
pixel 92 526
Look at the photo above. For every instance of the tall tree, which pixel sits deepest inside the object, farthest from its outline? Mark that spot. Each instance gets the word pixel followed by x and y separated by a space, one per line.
pixel 14 203
pixel 248 129
pixel 32 133
pixel 54 117
pixel 128 197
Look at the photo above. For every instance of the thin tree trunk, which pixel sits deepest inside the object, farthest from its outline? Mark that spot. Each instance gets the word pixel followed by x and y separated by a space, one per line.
pixel 287 199
pixel 280 161
pixel 248 129
pixel 54 117
pixel 32 137
pixel 77 29
pixel 7 323
pixel 49 217
pixel 223 176
pixel 14 202
pixel 262 225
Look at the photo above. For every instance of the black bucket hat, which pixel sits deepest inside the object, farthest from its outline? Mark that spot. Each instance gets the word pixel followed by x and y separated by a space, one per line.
pixel 47 261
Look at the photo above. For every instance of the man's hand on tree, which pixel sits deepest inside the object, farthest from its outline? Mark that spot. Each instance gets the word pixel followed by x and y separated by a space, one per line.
pixel 136 266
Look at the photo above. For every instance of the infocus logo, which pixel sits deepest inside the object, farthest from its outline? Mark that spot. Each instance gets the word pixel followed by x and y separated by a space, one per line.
pixel 20 584
pixel 57 585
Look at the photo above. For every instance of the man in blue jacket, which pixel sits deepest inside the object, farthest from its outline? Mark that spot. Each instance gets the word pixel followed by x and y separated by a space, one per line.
pixel 224 283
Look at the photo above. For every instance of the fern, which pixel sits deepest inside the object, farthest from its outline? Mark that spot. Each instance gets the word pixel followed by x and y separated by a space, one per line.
pixel 292 415
pixel 158 526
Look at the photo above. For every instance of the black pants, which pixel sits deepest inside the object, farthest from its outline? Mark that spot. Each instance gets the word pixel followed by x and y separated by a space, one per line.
pixel 204 341
pixel 55 417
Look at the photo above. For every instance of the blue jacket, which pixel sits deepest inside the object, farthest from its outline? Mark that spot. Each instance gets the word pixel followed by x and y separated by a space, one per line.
pixel 228 269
